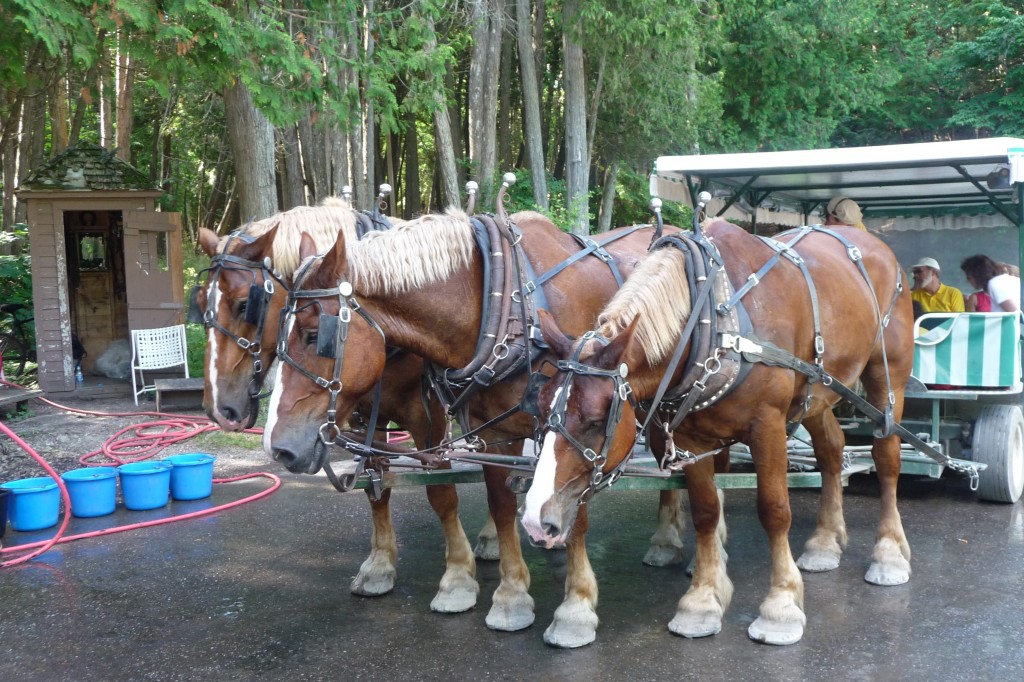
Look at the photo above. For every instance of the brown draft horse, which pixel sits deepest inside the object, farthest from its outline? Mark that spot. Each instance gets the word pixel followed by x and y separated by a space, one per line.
pixel 422 283
pixel 642 326
pixel 235 371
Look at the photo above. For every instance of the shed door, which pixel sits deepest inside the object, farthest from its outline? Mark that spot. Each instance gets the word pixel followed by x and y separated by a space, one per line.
pixel 153 269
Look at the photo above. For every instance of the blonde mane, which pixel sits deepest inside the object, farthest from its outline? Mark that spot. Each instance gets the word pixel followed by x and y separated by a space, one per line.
pixel 412 255
pixel 658 291
pixel 322 223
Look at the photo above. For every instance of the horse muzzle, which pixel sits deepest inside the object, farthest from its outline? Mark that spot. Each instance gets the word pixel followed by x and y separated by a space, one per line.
pixel 299 462
pixel 550 526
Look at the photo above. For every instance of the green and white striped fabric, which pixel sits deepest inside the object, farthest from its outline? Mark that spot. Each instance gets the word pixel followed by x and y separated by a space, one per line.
pixel 970 349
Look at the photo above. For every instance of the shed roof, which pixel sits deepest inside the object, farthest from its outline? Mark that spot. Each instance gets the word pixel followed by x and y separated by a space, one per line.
pixel 84 167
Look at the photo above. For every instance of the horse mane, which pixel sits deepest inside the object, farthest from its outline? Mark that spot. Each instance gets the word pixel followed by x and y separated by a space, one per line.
pixel 322 223
pixel 412 255
pixel 659 292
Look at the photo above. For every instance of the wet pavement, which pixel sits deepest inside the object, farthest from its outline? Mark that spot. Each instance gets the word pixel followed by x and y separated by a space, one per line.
pixel 261 591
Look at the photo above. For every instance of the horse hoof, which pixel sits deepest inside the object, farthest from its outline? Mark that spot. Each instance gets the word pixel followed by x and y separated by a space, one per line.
pixel 486 548
pixel 888 574
pixel 454 600
pixel 372 585
pixel 775 632
pixel 818 561
pixel 663 555
pixel 695 625
pixel 570 636
pixel 508 619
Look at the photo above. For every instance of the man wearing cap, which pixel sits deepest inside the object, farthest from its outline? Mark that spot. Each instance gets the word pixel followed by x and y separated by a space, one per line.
pixel 844 211
pixel 930 292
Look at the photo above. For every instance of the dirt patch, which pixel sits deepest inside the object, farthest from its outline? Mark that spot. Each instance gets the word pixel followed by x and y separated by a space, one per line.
pixel 62 437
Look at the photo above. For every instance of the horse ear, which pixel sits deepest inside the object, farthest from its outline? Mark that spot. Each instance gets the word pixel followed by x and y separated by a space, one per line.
pixel 624 348
pixel 334 259
pixel 559 343
pixel 307 247
pixel 260 246
pixel 208 241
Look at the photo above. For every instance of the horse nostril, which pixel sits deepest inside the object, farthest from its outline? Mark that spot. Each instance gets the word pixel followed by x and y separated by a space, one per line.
pixel 285 457
pixel 229 413
pixel 551 529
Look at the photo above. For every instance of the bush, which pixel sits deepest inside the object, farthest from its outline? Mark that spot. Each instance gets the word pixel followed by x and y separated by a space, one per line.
pixel 16 269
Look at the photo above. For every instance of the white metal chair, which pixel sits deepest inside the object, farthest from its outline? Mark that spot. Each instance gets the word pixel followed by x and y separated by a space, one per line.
pixel 161 348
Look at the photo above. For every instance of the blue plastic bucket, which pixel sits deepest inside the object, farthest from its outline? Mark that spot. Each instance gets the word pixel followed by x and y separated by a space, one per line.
pixel 191 476
pixel 33 504
pixel 145 485
pixel 93 491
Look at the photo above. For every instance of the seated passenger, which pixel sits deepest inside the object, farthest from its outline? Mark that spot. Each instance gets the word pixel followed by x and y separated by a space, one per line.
pixel 995 280
pixel 930 292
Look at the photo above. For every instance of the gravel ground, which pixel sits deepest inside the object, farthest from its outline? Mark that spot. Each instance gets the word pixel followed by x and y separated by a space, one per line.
pixel 62 436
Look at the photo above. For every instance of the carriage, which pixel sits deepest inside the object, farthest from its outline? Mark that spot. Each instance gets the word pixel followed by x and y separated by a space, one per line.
pixel 964 395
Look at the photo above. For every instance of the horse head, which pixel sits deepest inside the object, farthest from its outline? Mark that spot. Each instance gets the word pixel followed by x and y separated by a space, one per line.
pixel 330 357
pixel 239 306
pixel 589 421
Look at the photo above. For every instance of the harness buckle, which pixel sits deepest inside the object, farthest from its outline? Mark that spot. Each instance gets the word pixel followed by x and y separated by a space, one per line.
pixel 530 287
pixel 853 252
pixel 819 344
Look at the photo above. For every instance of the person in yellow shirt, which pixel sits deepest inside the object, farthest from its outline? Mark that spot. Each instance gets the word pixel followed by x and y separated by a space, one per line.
pixel 930 292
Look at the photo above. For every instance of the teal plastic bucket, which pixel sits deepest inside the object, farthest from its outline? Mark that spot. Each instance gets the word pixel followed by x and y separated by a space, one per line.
pixel 191 476
pixel 145 485
pixel 33 503
pixel 93 491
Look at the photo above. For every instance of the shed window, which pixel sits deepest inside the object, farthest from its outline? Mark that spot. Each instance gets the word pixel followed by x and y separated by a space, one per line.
pixel 92 251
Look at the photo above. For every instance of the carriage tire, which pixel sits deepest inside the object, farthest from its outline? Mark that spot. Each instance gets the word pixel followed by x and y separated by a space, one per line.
pixel 999 442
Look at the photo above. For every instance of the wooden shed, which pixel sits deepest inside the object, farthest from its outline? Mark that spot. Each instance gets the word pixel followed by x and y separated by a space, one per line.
pixel 104 260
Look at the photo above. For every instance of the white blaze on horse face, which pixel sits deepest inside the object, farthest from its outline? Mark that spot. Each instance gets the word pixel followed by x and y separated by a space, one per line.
pixel 543 486
pixel 212 296
pixel 275 397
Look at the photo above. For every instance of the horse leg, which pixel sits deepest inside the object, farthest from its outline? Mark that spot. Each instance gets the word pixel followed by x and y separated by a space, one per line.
pixel 825 547
pixel 782 618
pixel 376 575
pixel 575 620
pixel 458 589
pixel 699 612
pixel 667 542
pixel 512 605
pixel 487 542
pixel 890 559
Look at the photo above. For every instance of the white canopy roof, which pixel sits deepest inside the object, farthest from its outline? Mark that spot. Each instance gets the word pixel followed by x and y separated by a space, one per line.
pixel 889 180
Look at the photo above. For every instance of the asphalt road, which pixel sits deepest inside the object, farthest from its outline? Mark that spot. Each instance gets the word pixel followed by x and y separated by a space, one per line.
pixel 261 591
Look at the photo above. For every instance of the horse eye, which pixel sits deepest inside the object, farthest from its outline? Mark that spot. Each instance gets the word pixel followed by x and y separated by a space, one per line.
pixel 240 308
pixel 310 338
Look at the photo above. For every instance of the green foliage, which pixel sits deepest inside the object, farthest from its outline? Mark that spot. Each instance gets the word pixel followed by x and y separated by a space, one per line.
pixel 632 205
pixel 16 269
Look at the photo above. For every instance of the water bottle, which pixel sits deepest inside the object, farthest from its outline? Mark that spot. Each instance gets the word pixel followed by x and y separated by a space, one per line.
pixel 79 378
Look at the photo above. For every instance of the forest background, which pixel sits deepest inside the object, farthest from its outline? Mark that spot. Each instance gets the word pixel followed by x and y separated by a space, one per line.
pixel 241 108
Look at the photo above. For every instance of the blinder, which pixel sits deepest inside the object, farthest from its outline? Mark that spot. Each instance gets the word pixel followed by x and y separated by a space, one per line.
pixel 196 315
pixel 256 303
pixel 531 397
pixel 332 333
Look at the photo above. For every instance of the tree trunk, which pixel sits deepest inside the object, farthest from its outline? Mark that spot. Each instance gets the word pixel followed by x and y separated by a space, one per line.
pixel 293 189
pixel 252 142
pixel 577 165
pixel 540 61
pixel 533 136
pixel 313 139
pixel 125 92
pixel 504 152
pixel 59 116
pixel 9 154
pixel 107 96
pixel 369 124
pixel 413 200
pixel 475 91
pixel 594 103
pixel 604 218
pixel 444 142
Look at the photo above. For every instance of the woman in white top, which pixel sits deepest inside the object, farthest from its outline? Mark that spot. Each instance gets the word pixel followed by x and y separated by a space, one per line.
pixel 1002 287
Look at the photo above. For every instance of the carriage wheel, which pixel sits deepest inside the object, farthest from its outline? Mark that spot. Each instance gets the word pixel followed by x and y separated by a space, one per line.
pixel 999 442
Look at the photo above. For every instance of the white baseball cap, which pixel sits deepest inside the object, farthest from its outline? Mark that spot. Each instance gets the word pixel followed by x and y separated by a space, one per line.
pixel 927 263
